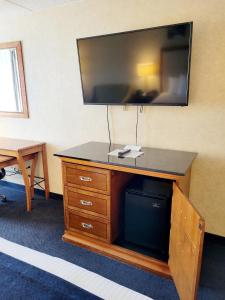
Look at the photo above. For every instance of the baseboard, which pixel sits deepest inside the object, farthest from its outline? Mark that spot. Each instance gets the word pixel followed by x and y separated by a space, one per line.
pixel 218 239
pixel 21 187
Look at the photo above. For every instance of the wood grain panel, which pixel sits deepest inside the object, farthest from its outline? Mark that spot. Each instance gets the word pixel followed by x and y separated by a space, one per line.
pixel 114 251
pixel 184 182
pixel 186 243
pixel 130 170
pixel 88 202
pixel 6 161
pixel 88 178
pixel 119 181
pixel 4 158
pixel 88 225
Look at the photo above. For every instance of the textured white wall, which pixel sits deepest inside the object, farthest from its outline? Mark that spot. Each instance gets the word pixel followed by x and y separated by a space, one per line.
pixel 58 116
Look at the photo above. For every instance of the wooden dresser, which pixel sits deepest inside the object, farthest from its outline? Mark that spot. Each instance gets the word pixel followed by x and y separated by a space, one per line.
pixel 91 200
pixel 93 191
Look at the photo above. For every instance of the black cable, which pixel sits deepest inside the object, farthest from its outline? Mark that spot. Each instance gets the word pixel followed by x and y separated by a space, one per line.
pixel 108 125
pixel 137 126
pixel 18 172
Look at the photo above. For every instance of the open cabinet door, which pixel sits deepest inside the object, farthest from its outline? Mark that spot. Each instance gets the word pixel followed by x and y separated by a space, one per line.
pixel 186 243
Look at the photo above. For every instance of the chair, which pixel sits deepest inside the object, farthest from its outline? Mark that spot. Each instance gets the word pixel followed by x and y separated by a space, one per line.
pixel 2 175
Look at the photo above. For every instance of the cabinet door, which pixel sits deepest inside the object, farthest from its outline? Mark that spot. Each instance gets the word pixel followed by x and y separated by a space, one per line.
pixel 186 242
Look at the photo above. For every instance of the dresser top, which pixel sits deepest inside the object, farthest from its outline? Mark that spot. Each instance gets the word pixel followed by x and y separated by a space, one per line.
pixel 156 160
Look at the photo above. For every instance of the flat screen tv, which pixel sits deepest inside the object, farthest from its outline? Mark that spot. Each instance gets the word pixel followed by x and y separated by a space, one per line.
pixel 140 67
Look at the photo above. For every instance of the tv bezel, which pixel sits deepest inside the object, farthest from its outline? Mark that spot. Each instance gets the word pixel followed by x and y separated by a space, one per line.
pixel 138 30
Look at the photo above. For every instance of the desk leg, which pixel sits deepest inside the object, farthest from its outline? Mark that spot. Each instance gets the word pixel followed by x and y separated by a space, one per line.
pixel 32 174
pixel 45 170
pixel 22 165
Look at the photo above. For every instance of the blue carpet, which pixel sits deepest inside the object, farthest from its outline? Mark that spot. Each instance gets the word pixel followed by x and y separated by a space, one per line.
pixel 42 230
pixel 22 281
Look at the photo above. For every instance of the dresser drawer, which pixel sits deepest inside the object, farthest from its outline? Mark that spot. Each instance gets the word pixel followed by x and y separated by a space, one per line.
pixel 89 178
pixel 89 202
pixel 87 225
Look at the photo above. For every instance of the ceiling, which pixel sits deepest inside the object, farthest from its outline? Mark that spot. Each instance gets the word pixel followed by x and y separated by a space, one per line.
pixel 14 7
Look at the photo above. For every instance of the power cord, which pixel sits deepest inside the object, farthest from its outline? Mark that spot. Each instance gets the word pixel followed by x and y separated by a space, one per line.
pixel 141 111
pixel 137 120
pixel 108 125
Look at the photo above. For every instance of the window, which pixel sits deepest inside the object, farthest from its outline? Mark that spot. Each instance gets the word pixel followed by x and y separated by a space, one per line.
pixel 13 100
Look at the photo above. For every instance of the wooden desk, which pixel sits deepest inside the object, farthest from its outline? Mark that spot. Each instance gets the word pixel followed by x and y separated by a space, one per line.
pixel 16 151
pixel 93 184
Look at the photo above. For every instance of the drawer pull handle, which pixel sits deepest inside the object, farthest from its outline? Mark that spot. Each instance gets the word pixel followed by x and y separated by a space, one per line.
pixel 86 225
pixel 83 178
pixel 86 203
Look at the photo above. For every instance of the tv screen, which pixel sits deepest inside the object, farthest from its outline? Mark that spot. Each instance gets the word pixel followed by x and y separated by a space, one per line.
pixel 141 67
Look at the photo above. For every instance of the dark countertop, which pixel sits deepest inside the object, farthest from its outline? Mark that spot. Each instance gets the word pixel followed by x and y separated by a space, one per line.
pixel 153 159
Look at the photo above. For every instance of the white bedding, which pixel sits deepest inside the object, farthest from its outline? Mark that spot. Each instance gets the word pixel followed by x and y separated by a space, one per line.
pixel 165 97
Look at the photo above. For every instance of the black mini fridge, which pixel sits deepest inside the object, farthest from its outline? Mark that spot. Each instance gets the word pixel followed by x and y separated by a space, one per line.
pixel 147 209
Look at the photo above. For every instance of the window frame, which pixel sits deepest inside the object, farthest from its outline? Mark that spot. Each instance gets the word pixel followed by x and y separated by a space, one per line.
pixel 24 113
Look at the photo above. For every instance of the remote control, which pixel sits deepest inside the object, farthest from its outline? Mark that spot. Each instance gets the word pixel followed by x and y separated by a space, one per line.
pixel 122 152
